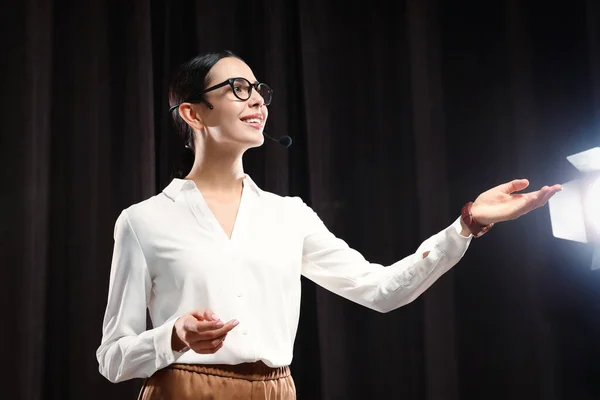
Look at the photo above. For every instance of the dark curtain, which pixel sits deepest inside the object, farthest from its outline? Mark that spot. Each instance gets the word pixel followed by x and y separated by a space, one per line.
pixel 401 111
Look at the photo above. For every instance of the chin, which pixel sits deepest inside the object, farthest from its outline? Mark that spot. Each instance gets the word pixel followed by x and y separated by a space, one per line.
pixel 257 142
pixel 256 137
pixel 250 141
pixel 247 138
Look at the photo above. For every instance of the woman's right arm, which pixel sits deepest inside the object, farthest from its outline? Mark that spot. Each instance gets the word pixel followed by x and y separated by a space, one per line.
pixel 127 349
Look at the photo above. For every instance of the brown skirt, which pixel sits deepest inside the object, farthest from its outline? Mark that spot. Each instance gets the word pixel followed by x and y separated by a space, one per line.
pixel 254 381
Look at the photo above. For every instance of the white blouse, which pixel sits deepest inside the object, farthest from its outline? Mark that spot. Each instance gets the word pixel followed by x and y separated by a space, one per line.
pixel 172 256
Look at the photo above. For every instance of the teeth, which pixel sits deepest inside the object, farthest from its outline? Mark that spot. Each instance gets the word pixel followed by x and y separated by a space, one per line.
pixel 253 120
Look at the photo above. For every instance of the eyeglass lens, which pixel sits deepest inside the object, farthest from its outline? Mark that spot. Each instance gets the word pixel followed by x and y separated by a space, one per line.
pixel 243 89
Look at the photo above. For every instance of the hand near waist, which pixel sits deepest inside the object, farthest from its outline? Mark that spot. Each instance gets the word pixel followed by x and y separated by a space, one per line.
pixel 200 330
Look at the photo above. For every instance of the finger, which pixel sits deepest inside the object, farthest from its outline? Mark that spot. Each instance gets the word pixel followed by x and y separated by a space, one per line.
pixel 207 326
pixel 545 190
pixel 542 196
pixel 207 344
pixel 537 198
pixel 192 328
pixel 201 313
pixel 192 325
pixel 205 314
pixel 551 192
pixel 210 351
pixel 514 186
pixel 533 200
pixel 215 333
pixel 209 315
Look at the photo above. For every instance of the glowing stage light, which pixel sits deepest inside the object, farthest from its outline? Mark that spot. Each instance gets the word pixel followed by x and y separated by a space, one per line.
pixel 575 212
pixel 593 206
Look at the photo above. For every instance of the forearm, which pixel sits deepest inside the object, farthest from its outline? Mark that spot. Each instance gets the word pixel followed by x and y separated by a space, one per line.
pixel 346 273
pixel 413 275
pixel 380 288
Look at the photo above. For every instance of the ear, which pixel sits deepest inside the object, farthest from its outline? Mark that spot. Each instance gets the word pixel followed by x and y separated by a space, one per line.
pixel 192 116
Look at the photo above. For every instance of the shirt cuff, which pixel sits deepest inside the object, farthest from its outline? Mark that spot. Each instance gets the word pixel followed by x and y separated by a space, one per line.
pixel 165 355
pixel 451 242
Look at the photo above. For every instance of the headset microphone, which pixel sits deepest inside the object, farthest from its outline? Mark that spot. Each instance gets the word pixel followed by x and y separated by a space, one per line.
pixel 285 141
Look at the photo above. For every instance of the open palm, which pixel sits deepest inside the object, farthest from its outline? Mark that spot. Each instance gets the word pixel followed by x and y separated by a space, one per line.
pixel 501 203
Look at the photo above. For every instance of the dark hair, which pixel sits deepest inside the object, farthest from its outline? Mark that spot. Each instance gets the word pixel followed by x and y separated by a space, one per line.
pixel 190 79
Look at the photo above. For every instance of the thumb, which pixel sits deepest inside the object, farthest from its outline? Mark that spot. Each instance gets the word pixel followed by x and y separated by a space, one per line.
pixel 514 186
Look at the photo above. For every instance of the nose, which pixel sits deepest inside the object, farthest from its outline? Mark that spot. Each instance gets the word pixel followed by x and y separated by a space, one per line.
pixel 256 99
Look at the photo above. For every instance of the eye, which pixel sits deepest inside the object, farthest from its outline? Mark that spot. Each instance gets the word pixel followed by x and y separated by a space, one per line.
pixel 240 85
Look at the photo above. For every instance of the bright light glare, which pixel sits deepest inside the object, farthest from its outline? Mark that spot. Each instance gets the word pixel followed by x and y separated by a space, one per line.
pixel 566 213
pixel 568 217
pixel 593 206
pixel 586 161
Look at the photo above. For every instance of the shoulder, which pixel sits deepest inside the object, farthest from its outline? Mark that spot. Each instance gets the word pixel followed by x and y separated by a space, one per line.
pixel 291 210
pixel 281 200
pixel 137 215
pixel 282 203
pixel 156 212
pixel 147 208
pixel 272 200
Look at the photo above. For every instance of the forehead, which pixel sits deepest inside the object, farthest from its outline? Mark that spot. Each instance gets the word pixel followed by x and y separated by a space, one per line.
pixel 230 67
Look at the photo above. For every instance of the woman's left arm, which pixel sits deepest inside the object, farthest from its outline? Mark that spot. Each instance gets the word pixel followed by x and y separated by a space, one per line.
pixel 332 264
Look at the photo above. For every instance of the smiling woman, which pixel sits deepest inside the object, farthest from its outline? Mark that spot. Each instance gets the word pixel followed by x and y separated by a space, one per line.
pixel 196 81
pixel 213 240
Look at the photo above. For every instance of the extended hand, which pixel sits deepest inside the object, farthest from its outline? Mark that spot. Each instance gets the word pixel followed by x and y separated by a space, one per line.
pixel 501 204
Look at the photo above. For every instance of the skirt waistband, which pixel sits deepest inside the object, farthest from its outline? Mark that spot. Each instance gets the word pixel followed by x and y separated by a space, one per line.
pixel 257 371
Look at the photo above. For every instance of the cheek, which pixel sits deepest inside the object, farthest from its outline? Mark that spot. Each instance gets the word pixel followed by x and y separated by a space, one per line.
pixel 236 110
pixel 228 113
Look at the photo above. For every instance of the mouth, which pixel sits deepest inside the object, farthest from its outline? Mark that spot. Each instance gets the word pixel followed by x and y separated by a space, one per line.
pixel 256 121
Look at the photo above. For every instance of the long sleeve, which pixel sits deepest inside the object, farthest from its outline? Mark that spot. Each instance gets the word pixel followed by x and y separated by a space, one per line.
pixel 127 349
pixel 332 264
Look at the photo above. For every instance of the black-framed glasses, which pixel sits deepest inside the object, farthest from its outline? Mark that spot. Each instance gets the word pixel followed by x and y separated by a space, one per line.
pixel 241 88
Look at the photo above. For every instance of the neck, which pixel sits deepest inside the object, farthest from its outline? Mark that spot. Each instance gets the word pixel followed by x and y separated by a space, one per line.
pixel 217 171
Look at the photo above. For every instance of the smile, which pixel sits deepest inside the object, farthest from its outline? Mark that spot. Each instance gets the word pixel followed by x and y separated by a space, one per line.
pixel 255 121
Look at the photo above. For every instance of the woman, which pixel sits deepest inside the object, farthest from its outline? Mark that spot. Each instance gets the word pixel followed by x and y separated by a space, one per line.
pixel 217 261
